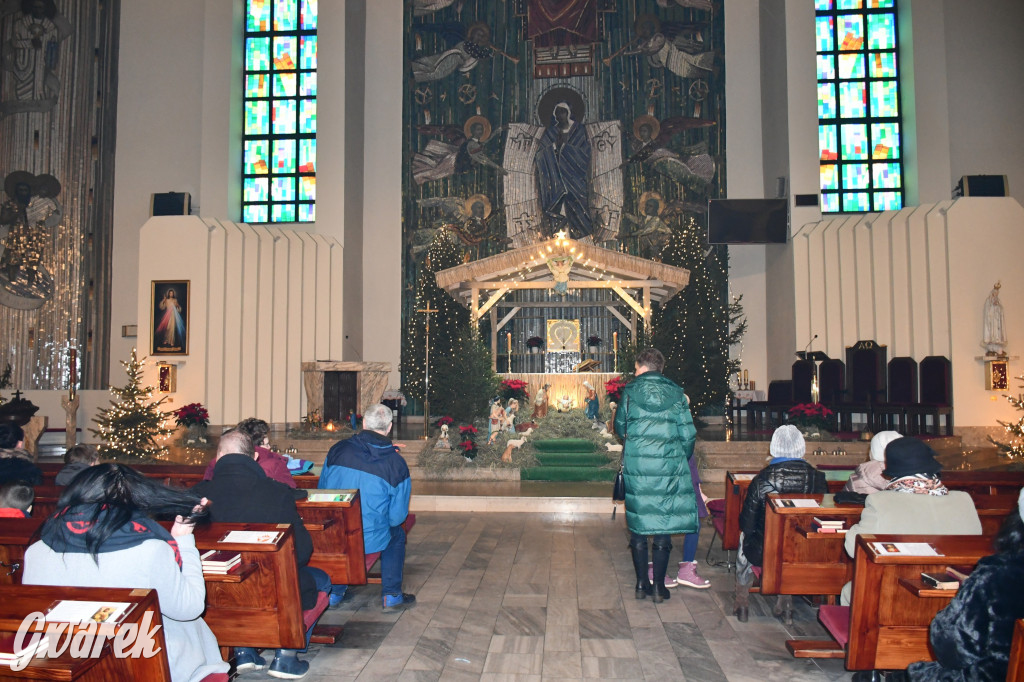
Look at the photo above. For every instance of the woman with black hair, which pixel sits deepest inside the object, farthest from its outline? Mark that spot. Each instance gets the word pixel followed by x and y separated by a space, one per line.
pixel 102 535
pixel 971 637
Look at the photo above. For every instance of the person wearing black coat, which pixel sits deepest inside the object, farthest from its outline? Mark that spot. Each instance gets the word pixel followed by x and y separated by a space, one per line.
pixel 241 492
pixel 787 472
pixel 972 636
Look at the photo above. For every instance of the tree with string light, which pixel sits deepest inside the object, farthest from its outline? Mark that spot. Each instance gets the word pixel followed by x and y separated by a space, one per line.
pixel 1014 449
pixel 447 325
pixel 696 328
pixel 129 429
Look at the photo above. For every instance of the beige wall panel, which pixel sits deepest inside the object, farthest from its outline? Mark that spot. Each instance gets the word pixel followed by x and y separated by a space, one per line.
pixel 278 328
pixel 324 295
pixel 246 297
pixel 880 229
pixel 920 301
pixel 846 268
pixel 296 330
pixel 899 285
pixel 938 279
pixel 862 282
pixel 214 369
pixel 830 309
pixel 337 340
pixel 234 268
pixel 262 337
pixel 309 297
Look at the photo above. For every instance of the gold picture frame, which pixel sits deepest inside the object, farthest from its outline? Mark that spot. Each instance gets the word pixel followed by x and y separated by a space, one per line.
pixel 563 335
pixel 169 322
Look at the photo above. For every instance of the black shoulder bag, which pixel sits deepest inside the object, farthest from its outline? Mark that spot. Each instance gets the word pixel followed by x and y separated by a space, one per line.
pixel 619 488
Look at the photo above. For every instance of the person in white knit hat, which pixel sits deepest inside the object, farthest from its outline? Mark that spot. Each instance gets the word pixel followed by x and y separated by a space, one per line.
pixel 787 472
pixel 867 478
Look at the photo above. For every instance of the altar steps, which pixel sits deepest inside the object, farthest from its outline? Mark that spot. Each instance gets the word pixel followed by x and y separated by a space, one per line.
pixel 568 459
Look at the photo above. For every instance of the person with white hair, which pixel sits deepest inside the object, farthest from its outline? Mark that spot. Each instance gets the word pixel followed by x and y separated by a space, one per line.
pixel 867 478
pixel 787 472
pixel 370 462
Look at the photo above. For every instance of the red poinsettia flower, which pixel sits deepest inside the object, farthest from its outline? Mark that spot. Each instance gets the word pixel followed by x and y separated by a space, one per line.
pixel 444 420
pixel 613 388
pixel 467 429
pixel 193 413
pixel 467 445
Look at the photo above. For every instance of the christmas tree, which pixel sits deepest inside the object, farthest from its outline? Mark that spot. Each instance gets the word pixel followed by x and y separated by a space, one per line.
pixel 129 428
pixel 446 325
pixel 695 328
pixel 462 382
pixel 1015 448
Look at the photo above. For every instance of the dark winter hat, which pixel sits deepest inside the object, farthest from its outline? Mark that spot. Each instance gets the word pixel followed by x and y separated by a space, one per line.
pixel 909 456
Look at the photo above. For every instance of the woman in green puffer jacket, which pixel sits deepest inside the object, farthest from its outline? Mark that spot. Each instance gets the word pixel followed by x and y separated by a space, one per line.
pixel 653 419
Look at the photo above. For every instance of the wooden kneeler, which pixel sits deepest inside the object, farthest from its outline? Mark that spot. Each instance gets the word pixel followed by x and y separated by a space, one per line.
pixel 836 620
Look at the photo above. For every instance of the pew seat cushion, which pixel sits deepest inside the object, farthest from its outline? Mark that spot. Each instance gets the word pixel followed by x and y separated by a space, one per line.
pixel 310 616
pixel 836 620
pixel 216 677
pixel 719 523
pixel 716 507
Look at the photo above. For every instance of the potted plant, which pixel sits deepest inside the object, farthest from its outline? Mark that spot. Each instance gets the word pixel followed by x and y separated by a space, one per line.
pixel 195 418
pixel 593 343
pixel 514 388
pixel 534 343
pixel 811 418
pixel 613 388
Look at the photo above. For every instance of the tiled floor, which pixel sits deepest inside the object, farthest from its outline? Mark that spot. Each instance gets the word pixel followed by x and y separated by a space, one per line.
pixel 550 597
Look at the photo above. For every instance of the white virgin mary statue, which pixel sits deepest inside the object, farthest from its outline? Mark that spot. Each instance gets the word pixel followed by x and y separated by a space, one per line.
pixel 994 336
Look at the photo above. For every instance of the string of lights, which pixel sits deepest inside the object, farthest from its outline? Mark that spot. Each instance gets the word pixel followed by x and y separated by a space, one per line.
pixel 1014 449
pixel 133 425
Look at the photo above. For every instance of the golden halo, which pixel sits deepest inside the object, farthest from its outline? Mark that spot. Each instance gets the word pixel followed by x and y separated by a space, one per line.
pixel 479 27
pixel 646 196
pixel 468 206
pixel 482 120
pixel 646 119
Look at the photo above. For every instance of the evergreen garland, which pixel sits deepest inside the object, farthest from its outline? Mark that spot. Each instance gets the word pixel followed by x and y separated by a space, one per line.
pixel 696 327
pixel 130 427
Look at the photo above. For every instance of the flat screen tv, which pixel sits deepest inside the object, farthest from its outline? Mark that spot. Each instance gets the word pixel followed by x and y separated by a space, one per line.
pixel 748 221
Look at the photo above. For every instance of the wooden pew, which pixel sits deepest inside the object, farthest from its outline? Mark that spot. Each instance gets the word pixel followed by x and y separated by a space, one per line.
pixel 736 484
pixel 178 475
pixel 257 605
pixel 16 602
pixel 1015 671
pixel 886 625
pixel 337 532
pixel 984 482
pixel 798 560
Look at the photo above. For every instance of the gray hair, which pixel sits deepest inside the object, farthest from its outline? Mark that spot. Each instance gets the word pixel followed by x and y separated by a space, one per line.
pixel 377 418
pixel 235 442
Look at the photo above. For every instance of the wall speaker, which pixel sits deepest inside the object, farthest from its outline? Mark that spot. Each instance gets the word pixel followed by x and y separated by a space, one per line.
pixel 171 203
pixel 982 186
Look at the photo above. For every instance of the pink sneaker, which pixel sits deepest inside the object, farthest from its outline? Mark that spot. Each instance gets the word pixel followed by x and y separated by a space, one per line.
pixel 688 576
pixel 669 580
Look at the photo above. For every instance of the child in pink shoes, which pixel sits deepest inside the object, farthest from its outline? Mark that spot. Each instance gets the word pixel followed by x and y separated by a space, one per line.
pixel 688 566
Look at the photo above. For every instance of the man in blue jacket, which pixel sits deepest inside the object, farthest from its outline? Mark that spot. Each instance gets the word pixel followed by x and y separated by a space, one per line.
pixel 370 462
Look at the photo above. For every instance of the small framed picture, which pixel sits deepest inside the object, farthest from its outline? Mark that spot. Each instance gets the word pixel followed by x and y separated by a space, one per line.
pixel 169 309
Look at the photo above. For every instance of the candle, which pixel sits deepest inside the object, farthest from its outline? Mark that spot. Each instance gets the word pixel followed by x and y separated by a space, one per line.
pixel 72 372
pixel 509 337
pixel 615 342
pixel 744 376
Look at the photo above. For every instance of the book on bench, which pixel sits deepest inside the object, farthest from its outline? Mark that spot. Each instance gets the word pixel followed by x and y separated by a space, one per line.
pixel 8 655
pixel 251 537
pixel 73 611
pixel 827 525
pixel 330 497
pixel 939 581
pixel 215 561
pixel 959 573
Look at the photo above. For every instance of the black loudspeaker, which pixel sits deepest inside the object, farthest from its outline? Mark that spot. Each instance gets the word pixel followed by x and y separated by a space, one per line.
pixel 982 186
pixel 171 203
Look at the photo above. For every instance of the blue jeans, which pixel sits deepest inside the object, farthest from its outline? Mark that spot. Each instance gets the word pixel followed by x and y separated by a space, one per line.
pixel 690 544
pixel 392 563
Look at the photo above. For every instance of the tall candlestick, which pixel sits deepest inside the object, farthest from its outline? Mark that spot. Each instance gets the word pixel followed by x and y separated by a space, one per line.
pixel 509 337
pixel 744 376
pixel 72 372
pixel 615 351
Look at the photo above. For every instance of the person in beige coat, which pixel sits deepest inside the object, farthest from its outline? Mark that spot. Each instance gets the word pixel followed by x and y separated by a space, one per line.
pixel 867 478
pixel 914 502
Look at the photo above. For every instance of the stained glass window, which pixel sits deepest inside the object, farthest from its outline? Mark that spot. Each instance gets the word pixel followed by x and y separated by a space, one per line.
pixel 279 125
pixel 859 113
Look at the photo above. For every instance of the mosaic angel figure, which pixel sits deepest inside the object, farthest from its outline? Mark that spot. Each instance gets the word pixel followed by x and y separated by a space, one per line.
pixel 675 46
pixel 472 220
pixel 654 137
pixel 470 45
pixel 27 221
pixel 652 230
pixel 456 152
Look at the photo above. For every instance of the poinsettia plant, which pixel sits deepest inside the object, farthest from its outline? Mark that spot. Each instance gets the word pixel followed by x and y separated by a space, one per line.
pixel 444 420
pixel 811 415
pixel 192 414
pixel 593 340
pixel 613 388
pixel 514 388
pixel 534 342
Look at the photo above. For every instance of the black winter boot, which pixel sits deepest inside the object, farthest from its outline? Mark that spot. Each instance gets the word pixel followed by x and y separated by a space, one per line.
pixel 660 558
pixel 638 548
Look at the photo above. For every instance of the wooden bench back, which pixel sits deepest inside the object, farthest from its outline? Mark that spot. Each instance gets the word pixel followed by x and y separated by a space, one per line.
pixel 177 475
pixel 16 602
pixel 891 610
pixel 337 532
pixel 258 605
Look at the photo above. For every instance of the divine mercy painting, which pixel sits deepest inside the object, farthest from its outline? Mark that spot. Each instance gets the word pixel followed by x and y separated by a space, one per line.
pixel 169 328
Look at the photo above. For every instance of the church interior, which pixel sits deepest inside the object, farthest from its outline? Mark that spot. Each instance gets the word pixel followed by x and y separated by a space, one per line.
pixel 454 205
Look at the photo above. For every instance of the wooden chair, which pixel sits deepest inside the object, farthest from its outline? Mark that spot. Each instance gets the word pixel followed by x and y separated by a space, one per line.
pixel 936 403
